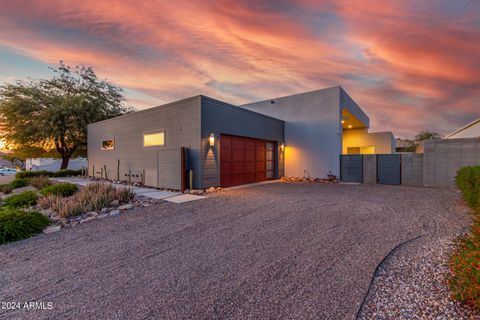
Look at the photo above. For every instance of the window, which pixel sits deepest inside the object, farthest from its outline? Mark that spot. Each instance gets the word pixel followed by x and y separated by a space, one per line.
pixel 154 139
pixel 108 144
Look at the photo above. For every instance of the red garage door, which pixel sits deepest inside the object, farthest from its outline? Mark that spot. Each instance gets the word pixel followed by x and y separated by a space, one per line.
pixel 245 160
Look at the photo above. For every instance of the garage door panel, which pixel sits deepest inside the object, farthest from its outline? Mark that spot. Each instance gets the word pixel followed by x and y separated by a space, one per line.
pixel 249 144
pixel 238 167
pixel 249 155
pixel 238 143
pixel 250 166
pixel 238 155
pixel 243 160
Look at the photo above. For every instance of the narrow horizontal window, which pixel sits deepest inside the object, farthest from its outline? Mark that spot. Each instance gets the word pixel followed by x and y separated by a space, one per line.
pixel 108 144
pixel 154 139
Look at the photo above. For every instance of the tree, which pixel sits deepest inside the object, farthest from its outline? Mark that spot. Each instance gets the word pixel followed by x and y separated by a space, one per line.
pixel 426 135
pixel 52 114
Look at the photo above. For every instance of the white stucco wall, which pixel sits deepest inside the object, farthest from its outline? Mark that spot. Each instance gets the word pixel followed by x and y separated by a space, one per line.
pixel 313 132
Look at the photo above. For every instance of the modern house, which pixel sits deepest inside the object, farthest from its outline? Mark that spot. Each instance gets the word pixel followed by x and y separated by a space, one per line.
pixel 471 130
pixel 225 145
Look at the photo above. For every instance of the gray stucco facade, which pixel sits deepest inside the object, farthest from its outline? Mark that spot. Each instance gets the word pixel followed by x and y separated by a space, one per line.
pixel 185 123
pixel 313 129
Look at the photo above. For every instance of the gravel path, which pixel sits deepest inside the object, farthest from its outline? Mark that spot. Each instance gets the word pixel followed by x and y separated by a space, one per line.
pixel 278 251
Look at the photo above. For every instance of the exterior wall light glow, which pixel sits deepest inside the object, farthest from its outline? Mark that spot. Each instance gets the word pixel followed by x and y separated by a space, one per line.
pixel 211 139
pixel 349 126
pixel 343 121
pixel 282 147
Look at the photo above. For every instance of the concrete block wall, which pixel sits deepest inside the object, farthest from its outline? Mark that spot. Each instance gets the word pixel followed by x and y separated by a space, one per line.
pixel 443 158
pixel 370 168
pixel 412 169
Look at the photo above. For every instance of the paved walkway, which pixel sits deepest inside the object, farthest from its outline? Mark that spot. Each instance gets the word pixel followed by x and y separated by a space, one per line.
pixel 276 251
pixel 146 192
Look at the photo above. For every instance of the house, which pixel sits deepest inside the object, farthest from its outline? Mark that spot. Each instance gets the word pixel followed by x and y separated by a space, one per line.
pixel 321 125
pixel 51 164
pixel 213 143
pixel 471 130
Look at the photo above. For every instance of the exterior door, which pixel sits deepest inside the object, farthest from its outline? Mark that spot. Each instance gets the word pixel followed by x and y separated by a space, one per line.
pixel 389 169
pixel 351 168
pixel 245 160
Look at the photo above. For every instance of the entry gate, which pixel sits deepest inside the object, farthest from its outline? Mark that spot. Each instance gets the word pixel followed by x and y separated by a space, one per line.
pixel 351 168
pixel 389 169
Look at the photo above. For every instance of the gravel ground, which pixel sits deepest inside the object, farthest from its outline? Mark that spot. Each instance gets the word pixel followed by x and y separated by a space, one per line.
pixel 412 284
pixel 277 251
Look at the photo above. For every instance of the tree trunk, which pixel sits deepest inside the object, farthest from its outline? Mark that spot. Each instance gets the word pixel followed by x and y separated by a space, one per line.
pixel 64 163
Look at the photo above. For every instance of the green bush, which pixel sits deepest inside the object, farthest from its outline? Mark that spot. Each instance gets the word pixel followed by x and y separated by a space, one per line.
pixel 31 174
pixel 464 263
pixel 465 280
pixel 6 188
pixel 17 225
pixel 61 173
pixel 24 199
pixel 19 183
pixel 468 181
pixel 63 189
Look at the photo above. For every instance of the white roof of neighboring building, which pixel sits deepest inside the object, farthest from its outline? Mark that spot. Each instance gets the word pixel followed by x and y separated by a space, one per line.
pixel 471 130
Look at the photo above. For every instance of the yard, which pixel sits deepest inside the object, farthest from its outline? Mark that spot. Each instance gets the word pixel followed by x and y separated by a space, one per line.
pixel 282 250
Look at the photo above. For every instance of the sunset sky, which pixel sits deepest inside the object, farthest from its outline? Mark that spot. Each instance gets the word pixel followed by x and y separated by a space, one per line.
pixel 410 65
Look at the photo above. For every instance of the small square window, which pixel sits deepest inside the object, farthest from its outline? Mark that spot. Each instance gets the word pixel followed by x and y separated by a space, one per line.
pixel 108 144
pixel 154 139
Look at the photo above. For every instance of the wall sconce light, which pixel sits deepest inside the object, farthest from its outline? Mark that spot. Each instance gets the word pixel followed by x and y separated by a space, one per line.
pixel 282 147
pixel 211 140
pixel 349 126
pixel 343 121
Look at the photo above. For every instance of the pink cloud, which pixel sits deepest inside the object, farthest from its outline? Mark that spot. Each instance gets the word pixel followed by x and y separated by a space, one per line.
pixel 404 66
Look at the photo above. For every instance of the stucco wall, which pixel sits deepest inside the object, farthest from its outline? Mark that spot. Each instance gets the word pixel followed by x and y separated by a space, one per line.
pixel 384 142
pixel 313 133
pixel 181 122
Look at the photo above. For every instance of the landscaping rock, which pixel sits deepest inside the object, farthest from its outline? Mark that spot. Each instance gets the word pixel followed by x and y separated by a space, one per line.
pixel 114 212
pixel 104 210
pixel 87 219
pixel 52 229
pixel 115 203
pixel 92 214
pixel 102 215
pixel 127 206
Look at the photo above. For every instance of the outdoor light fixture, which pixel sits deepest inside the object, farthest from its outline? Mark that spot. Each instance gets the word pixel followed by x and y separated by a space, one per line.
pixel 349 126
pixel 211 139
pixel 343 121
pixel 282 146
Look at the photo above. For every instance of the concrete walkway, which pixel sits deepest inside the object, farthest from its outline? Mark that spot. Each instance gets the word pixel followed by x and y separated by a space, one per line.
pixel 146 192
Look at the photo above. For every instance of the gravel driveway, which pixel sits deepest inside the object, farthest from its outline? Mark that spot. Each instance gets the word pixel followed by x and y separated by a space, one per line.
pixel 282 250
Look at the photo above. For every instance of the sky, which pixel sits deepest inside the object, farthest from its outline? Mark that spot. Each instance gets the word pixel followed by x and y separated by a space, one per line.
pixel 411 65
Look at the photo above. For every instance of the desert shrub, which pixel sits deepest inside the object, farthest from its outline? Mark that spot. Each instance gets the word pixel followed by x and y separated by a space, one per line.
pixel 31 174
pixel 465 280
pixel 61 173
pixel 6 188
pixel 24 199
pixel 94 196
pixel 17 225
pixel 63 189
pixel 40 182
pixel 19 183
pixel 468 181
pixel 67 173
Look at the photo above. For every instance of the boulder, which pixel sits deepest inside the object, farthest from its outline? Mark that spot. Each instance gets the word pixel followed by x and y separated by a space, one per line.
pixel 52 229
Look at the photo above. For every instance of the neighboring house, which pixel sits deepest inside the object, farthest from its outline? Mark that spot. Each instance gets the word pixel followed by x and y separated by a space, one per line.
pixel 299 135
pixel 50 164
pixel 405 145
pixel 471 130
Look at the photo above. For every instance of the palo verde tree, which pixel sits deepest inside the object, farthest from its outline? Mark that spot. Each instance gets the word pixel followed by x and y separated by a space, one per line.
pixel 51 115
